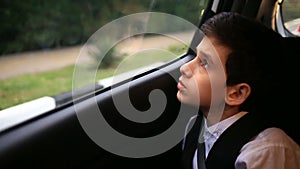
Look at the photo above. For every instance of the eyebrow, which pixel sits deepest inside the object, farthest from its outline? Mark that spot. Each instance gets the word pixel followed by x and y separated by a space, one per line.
pixel 202 53
pixel 206 56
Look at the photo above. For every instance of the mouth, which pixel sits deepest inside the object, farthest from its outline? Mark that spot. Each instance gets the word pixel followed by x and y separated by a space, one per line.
pixel 180 85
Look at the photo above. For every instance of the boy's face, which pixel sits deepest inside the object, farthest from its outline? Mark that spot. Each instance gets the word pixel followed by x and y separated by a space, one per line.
pixel 204 74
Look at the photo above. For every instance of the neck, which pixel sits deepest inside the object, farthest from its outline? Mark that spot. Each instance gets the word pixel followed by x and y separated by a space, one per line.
pixel 214 117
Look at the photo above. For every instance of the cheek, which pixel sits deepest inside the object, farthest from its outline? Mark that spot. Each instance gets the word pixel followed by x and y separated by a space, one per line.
pixel 204 89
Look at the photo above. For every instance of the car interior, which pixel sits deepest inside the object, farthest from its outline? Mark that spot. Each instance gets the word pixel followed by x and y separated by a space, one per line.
pixel 56 139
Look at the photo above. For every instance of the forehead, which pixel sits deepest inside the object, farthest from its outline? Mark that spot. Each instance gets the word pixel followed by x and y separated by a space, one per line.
pixel 206 46
pixel 210 47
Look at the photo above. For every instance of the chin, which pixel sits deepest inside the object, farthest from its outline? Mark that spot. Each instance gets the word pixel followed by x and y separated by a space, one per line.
pixel 179 96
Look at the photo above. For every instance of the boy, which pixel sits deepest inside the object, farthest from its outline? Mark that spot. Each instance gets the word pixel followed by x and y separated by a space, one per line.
pixel 233 60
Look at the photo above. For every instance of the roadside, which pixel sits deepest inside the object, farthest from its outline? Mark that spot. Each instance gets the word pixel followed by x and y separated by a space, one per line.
pixel 41 61
pixel 37 61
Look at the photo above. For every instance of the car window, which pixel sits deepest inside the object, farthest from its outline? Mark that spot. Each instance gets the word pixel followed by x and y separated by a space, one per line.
pixel 137 42
pixel 47 45
pixel 291 16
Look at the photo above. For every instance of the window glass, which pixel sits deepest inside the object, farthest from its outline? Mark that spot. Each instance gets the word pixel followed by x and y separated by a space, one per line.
pixel 43 42
pixel 291 16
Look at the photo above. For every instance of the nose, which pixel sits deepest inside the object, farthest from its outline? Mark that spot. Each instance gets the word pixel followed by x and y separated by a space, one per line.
pixel 185 70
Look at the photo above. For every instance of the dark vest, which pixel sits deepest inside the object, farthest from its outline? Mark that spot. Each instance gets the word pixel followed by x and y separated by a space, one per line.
pixel 225 150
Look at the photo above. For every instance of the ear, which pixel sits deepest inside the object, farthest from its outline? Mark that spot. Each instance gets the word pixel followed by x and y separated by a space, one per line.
pixel 237 94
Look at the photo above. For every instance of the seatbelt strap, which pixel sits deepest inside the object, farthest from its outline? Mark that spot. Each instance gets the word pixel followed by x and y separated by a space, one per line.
pixel 190 143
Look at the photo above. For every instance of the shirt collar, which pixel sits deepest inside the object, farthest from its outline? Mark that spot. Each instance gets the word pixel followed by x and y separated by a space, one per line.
pixel 217 129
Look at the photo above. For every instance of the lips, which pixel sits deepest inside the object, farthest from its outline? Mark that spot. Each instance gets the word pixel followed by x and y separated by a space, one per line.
pixel 180 85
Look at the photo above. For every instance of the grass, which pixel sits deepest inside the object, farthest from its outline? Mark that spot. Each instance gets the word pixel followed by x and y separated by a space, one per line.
pixel 20 89
pixel 143 59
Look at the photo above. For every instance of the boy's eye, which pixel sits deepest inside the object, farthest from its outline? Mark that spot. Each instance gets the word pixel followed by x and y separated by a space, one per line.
pixel 204 63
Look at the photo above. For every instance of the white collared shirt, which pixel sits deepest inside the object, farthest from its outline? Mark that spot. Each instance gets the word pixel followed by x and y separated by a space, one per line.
pixel 212 133
pixel 269 149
